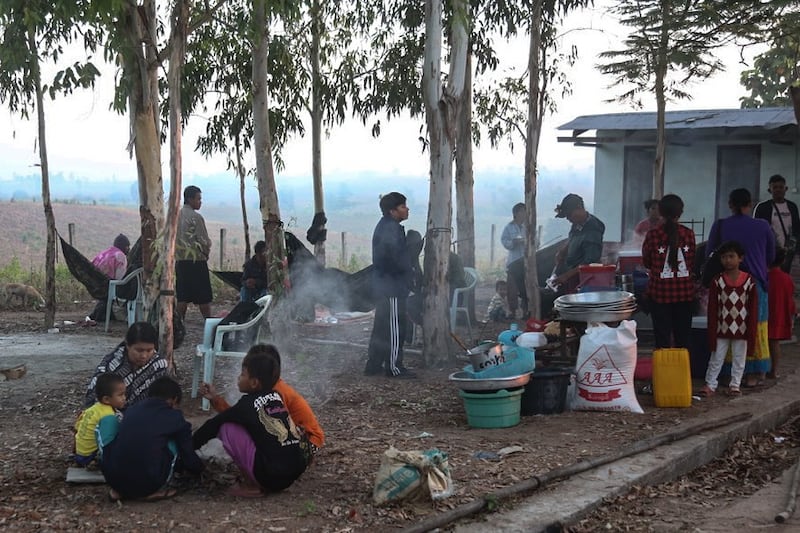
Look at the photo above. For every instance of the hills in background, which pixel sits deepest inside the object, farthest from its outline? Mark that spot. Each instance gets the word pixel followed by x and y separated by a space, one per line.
pixel 100 209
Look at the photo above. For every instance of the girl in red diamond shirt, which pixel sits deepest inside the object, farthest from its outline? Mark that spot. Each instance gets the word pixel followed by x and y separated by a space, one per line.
pixel 732 318
pixel 668 253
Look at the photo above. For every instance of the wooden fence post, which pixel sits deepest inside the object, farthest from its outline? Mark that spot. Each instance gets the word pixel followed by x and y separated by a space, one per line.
pixel 491 246
pixel 71 231
pixel 222 232
pixel 343 260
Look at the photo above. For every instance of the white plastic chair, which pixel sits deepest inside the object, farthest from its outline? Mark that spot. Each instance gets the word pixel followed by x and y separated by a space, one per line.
pixel 135 306
pixel 471 276
pixel 211 348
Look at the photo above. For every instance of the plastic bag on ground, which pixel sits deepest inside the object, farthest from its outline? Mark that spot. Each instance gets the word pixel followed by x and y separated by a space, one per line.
pixel 412 475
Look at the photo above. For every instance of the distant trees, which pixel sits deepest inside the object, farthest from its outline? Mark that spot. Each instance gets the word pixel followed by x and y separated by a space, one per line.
pixel 777 69
pixel 34 32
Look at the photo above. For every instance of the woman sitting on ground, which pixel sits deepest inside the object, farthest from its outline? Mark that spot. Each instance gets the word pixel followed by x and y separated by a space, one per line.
pixel 135 360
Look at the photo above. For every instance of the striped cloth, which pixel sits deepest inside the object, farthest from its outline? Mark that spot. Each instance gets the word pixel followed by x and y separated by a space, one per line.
pixel 137 380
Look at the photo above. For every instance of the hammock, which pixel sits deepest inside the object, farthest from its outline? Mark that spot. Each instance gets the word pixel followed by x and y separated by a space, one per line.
pixel 230 277
pixel 85 272
pixel 96 283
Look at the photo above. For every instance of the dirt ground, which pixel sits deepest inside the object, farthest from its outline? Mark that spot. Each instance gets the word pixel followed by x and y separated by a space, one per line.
pixel 361 417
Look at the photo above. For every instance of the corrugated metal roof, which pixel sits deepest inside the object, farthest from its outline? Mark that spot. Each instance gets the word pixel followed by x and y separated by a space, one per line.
pixel 767 117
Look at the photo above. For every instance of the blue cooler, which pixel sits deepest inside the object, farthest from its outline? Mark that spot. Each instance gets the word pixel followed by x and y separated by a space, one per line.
pixel 698 347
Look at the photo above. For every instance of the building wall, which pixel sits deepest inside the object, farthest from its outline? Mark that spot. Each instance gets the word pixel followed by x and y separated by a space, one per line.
pixel 691 173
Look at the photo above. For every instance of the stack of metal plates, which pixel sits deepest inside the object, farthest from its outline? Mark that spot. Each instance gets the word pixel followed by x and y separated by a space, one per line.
pixel 600 306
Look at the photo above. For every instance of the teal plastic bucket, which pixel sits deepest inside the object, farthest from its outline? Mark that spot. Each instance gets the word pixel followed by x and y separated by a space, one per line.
pixel 496 409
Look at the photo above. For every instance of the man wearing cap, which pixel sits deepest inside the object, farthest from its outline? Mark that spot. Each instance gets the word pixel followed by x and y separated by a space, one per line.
pixel 113 262
pixel 585 243
pixel 392 278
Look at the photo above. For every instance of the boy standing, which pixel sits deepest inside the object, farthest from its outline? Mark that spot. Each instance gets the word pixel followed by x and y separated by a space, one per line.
pixel 732 318
pixel 97 425
pixel 392 278
pixel 153 438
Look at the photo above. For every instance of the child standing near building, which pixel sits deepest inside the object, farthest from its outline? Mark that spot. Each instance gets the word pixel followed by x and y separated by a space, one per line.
pixel 97 425
pixel 154 441
pixel 781 310
pixel 258 432
pixel 497 311
pixel 732 318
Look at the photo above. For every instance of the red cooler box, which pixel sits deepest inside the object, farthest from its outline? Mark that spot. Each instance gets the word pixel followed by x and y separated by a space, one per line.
pixel 597 276
pixel 629 260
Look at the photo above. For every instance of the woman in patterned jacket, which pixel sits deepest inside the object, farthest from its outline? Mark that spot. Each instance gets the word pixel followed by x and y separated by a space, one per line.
pixel 135 360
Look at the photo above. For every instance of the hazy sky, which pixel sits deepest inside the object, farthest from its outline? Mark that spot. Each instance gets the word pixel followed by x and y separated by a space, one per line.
pixel 85 138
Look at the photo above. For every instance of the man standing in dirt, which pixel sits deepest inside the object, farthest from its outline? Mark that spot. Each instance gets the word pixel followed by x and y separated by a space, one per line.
pixel 392 278
pixel 192 284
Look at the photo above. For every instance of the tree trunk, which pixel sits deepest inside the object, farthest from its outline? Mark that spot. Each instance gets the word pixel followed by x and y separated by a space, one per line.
pixel 533 134
pixel 141 71
pixel 465 205
pixel 441 113
pixel 180 17
pixel 316 122
pixel 50 251
pixel 661 102
pixel 242 175
pixel 268 193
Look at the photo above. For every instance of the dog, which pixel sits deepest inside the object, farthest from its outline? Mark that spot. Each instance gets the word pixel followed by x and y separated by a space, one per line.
pixel 25 294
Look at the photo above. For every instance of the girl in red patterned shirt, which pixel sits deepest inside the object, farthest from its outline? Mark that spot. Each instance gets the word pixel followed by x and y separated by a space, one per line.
pixel 732 318
pixel 668 253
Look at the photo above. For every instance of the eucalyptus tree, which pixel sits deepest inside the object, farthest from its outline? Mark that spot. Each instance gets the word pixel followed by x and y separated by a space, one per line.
pixel 137 40
pixel 219 84
pixel 35 32
pixel 777 69
pixel 442 106
pixel 671 43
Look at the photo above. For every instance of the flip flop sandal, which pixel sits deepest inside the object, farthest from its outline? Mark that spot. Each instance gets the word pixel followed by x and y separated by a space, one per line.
pixel 752 384
pixel 734 392
pixel 161 495
pixel 706 392
pixel 240 492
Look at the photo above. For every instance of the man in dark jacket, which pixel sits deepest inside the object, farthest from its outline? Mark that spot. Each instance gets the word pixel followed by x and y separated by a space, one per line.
pixel 782 216
pixel 392 278
pixel 254 276
pixel 153 441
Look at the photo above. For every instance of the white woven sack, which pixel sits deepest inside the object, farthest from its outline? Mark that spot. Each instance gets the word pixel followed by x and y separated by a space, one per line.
pixel 604 372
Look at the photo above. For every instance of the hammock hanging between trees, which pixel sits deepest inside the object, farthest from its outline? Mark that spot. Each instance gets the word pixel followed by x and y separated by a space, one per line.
pixel 96 283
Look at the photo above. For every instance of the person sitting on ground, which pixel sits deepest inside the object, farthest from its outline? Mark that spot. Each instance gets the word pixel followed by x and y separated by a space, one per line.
pixel 113 262
pixel 298 407
pixel 97 425
pixel 135 360
pixel 652 221
pixel 732 318
pixel 153 443
pixel 254 275
pixel 782 309
pixel 258 432
pixel 497 311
